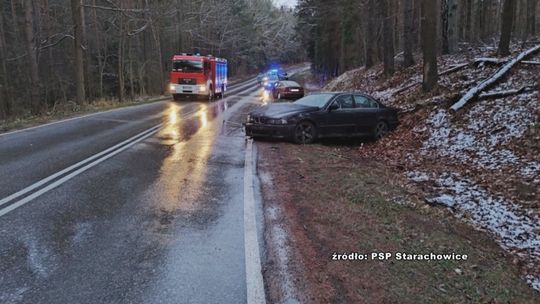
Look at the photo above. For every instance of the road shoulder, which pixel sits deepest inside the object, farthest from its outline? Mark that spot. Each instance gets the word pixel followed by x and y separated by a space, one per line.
pixel 330 200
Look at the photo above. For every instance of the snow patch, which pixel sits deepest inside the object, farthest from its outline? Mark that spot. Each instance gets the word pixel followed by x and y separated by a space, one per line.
pixel 480 137
pixel 515 228
pixel 417 176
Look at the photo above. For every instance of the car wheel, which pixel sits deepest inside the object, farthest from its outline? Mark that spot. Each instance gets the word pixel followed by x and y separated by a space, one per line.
pixel 305 132
pixel 177 97
pixel 380 130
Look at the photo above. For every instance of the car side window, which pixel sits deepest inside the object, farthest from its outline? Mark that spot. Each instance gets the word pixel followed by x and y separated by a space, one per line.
pixel 373 104
pixel 345 102
pixel 361 101
pixel 365 103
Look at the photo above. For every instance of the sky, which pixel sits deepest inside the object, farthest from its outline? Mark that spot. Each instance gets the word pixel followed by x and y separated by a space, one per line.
pixel 289 3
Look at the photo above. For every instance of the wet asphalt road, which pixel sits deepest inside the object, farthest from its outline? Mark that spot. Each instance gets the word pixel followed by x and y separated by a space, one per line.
pixel 159 222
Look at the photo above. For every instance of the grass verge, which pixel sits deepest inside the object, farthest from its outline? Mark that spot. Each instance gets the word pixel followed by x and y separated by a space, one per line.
pixel 337 202
pixel 69 110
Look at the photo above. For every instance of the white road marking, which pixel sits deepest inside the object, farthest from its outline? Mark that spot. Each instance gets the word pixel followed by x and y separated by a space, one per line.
pixel 240 85
pixel 64 179
pixel 103 154
pixel 66 170
pixel 78 117
pixel 254 279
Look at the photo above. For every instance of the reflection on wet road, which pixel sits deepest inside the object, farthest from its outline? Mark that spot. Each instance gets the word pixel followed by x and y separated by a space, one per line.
pixel 161 222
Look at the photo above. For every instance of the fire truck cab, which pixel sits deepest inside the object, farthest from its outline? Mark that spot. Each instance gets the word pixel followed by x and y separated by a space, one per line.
pixel 198 76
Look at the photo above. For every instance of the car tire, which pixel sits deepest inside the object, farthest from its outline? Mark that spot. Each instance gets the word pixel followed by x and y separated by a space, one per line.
pixel 380 129
pixel 305 132
pixel 177 97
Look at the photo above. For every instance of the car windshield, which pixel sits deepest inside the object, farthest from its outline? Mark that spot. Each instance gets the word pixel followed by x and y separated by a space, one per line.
pixel 188 65
pixel 290 84
pixel 315 100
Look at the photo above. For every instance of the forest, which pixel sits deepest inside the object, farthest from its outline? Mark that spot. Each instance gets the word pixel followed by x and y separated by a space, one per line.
pixel 52 53
pixel 74 52
pixel 340 34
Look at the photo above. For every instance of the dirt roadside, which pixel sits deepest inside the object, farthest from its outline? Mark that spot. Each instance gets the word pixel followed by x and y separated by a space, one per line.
pixel 325 198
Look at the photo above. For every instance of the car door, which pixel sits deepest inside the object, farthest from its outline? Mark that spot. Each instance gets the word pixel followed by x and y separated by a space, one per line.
pixel 367 111
pixel 340 121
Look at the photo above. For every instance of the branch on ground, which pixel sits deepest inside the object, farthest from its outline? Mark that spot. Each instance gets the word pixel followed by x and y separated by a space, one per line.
pixel 500 94
pixel 475 91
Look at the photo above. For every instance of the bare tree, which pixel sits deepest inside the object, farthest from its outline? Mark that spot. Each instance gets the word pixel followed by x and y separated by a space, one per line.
pixel 408 32
pixel 429 44
pixel 77 19
pixel 388 37
pixel 531 17
pixel 370 34
pixel 5 98
pixel 449 25
pixel 453 24
pixel 507 22
pixel 33 69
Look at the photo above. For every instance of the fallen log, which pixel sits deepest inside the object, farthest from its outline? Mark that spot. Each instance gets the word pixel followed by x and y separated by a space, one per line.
pixel 445 72
pixel 475 91
pixel 500 94
pixel 484 60
pixel 453 69
pixel 530 62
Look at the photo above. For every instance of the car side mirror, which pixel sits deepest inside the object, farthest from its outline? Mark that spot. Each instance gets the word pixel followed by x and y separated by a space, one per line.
pixel 333 107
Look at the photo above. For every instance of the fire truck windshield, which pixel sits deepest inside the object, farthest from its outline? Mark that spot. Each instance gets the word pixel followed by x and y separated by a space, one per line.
pixel 188 65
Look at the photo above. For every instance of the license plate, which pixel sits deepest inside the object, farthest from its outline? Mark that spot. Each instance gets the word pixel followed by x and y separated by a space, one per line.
pixel 186 88
pixel 295 90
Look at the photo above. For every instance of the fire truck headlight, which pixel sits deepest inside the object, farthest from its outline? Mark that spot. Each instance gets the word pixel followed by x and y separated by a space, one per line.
pixel 172 87
pixel 202 88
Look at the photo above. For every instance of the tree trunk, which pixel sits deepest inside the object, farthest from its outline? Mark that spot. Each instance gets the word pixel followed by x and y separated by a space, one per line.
pixel 178 27
pixel 77 19
pixel 453 24
pixel 388 37
pixel 100 54
pixel 33 70
pixel 408 32
pixel 157 38
pixel 507 19
pixel 469 28
pixel 121 42
pixel 531 17
pixel 371 30
pixel 444 27
pixel 429 44
pixel 5 90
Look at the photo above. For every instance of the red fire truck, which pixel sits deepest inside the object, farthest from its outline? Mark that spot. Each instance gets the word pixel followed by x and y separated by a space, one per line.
pixel 198 76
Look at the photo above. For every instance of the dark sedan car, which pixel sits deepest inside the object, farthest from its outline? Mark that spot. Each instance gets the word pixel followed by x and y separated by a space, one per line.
pixel 322 115
pixel 287 89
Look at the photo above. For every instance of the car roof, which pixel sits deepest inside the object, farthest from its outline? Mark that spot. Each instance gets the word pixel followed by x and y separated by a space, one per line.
pixel 344 92
pixel 290 82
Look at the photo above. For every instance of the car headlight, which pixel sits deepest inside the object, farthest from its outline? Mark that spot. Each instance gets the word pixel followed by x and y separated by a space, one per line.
pixel 202 88
pixel 172 87
pixel 281 121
